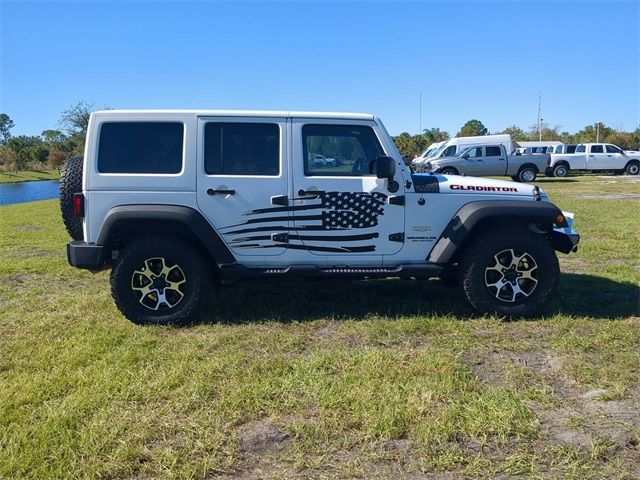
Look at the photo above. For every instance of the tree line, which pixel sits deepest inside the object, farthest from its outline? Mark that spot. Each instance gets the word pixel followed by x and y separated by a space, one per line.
pixel 49 149
pixel 52 147
pixel 412 145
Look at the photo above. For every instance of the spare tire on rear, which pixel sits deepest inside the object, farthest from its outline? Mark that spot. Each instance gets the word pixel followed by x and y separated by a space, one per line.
pixel 70 183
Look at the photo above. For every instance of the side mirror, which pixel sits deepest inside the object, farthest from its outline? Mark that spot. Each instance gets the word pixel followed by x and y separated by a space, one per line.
pixel 385 167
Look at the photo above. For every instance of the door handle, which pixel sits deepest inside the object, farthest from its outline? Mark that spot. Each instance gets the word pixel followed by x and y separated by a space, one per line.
pixel 608 155
pixel 303 193
pixel 501 159
pixel 212 192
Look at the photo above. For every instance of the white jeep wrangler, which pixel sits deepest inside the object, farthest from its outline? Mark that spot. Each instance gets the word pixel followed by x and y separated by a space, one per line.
pixel 175 201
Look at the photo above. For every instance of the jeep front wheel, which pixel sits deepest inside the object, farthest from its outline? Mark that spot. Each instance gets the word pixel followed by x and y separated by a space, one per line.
pixel 509 272
pixel 160 281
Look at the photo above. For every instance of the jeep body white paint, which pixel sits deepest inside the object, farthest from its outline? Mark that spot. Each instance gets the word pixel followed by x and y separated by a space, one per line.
pixel 176 201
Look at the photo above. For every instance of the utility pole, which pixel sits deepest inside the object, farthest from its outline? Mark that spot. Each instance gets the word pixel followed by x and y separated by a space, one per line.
pixel 598 132
pixel 539 117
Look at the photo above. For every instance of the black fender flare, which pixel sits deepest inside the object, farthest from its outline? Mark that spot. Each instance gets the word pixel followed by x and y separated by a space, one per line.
pixel 128 221
pixel 472 213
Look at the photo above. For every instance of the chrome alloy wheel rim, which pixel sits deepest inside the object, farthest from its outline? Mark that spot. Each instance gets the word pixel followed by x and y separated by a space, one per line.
pixel 159 284
pixel 633 169
pixel 561 172
pixel 511 276
pixel 527 176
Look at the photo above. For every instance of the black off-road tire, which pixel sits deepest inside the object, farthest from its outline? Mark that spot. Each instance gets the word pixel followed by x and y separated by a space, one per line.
pixel 632 167
pixel 449 171
pixel 481 254
pixel 71 183
pixel 198 285
pixel 527 171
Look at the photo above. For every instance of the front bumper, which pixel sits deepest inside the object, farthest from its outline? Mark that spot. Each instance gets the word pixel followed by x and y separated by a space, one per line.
pixel 565 239
pixel 86 255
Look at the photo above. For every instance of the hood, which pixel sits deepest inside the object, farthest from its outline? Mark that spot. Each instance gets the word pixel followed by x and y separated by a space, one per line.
pixel 474 185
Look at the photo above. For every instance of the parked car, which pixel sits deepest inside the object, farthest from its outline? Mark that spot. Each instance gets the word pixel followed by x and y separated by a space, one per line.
pixel 455 145
pixel 174 202
pixel 321 161
pixel 489 160
pixel 594 157
pixel 427 152
pixel 565 148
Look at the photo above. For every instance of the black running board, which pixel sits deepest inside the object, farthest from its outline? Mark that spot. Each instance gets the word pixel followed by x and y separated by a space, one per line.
pixel 422 270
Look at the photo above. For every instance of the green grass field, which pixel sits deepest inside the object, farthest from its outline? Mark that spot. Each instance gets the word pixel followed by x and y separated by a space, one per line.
pixel 309 379
pixel 28 176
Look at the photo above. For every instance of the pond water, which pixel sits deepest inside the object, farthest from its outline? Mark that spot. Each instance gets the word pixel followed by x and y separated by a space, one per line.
pixel 21 192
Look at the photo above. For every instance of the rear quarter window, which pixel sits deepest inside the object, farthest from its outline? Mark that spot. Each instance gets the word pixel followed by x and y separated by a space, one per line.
pixel 140 147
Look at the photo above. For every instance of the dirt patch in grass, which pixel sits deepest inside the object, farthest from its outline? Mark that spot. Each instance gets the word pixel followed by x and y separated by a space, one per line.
pixel 34 253
pixel 17 279
pixel 261 436
pixel 28 227
pixel 576 418
pixel 611 196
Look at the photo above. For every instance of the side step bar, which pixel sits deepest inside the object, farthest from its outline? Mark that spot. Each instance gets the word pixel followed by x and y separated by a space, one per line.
pixel 426 270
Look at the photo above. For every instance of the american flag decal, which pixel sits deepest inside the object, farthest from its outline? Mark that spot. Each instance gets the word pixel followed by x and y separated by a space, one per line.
pixel 322 223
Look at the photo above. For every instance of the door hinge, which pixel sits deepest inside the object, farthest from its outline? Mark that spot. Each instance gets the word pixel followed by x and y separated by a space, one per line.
pixel 397 237
pixel 280 200
pixel 396 200
pixel 280 237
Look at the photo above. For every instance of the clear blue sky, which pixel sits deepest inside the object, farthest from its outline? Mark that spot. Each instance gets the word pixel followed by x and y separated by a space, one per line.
pixel 480 60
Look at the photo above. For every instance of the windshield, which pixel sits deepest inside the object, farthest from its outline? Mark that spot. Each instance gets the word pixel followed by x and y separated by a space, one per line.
pixel 463 151
pixel 436 151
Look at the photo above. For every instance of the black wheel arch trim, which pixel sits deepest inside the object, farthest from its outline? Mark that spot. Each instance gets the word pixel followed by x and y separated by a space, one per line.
pixel 472 213
pixel 126 221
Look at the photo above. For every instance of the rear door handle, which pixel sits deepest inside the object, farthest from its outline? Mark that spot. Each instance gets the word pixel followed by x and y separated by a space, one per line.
pixel 212 192
pixel 303 193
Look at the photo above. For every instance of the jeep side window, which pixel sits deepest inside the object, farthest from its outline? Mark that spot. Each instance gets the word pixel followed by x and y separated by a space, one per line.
pixel 241 148
pixel 597 149
pixel 140 147
pixel 347 150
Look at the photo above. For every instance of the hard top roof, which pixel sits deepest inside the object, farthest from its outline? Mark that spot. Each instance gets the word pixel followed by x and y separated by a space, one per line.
pixel 245 113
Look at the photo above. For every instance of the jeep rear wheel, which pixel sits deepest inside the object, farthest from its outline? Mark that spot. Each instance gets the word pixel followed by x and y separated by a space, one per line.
pixel 70 184
pixel 509 272
pixel 160 281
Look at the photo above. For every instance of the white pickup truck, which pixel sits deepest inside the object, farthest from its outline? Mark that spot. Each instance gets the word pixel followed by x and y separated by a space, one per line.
pixel 489 160
pixel 594 157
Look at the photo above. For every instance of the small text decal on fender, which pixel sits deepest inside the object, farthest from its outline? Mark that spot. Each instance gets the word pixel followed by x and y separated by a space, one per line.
pixel 480 188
